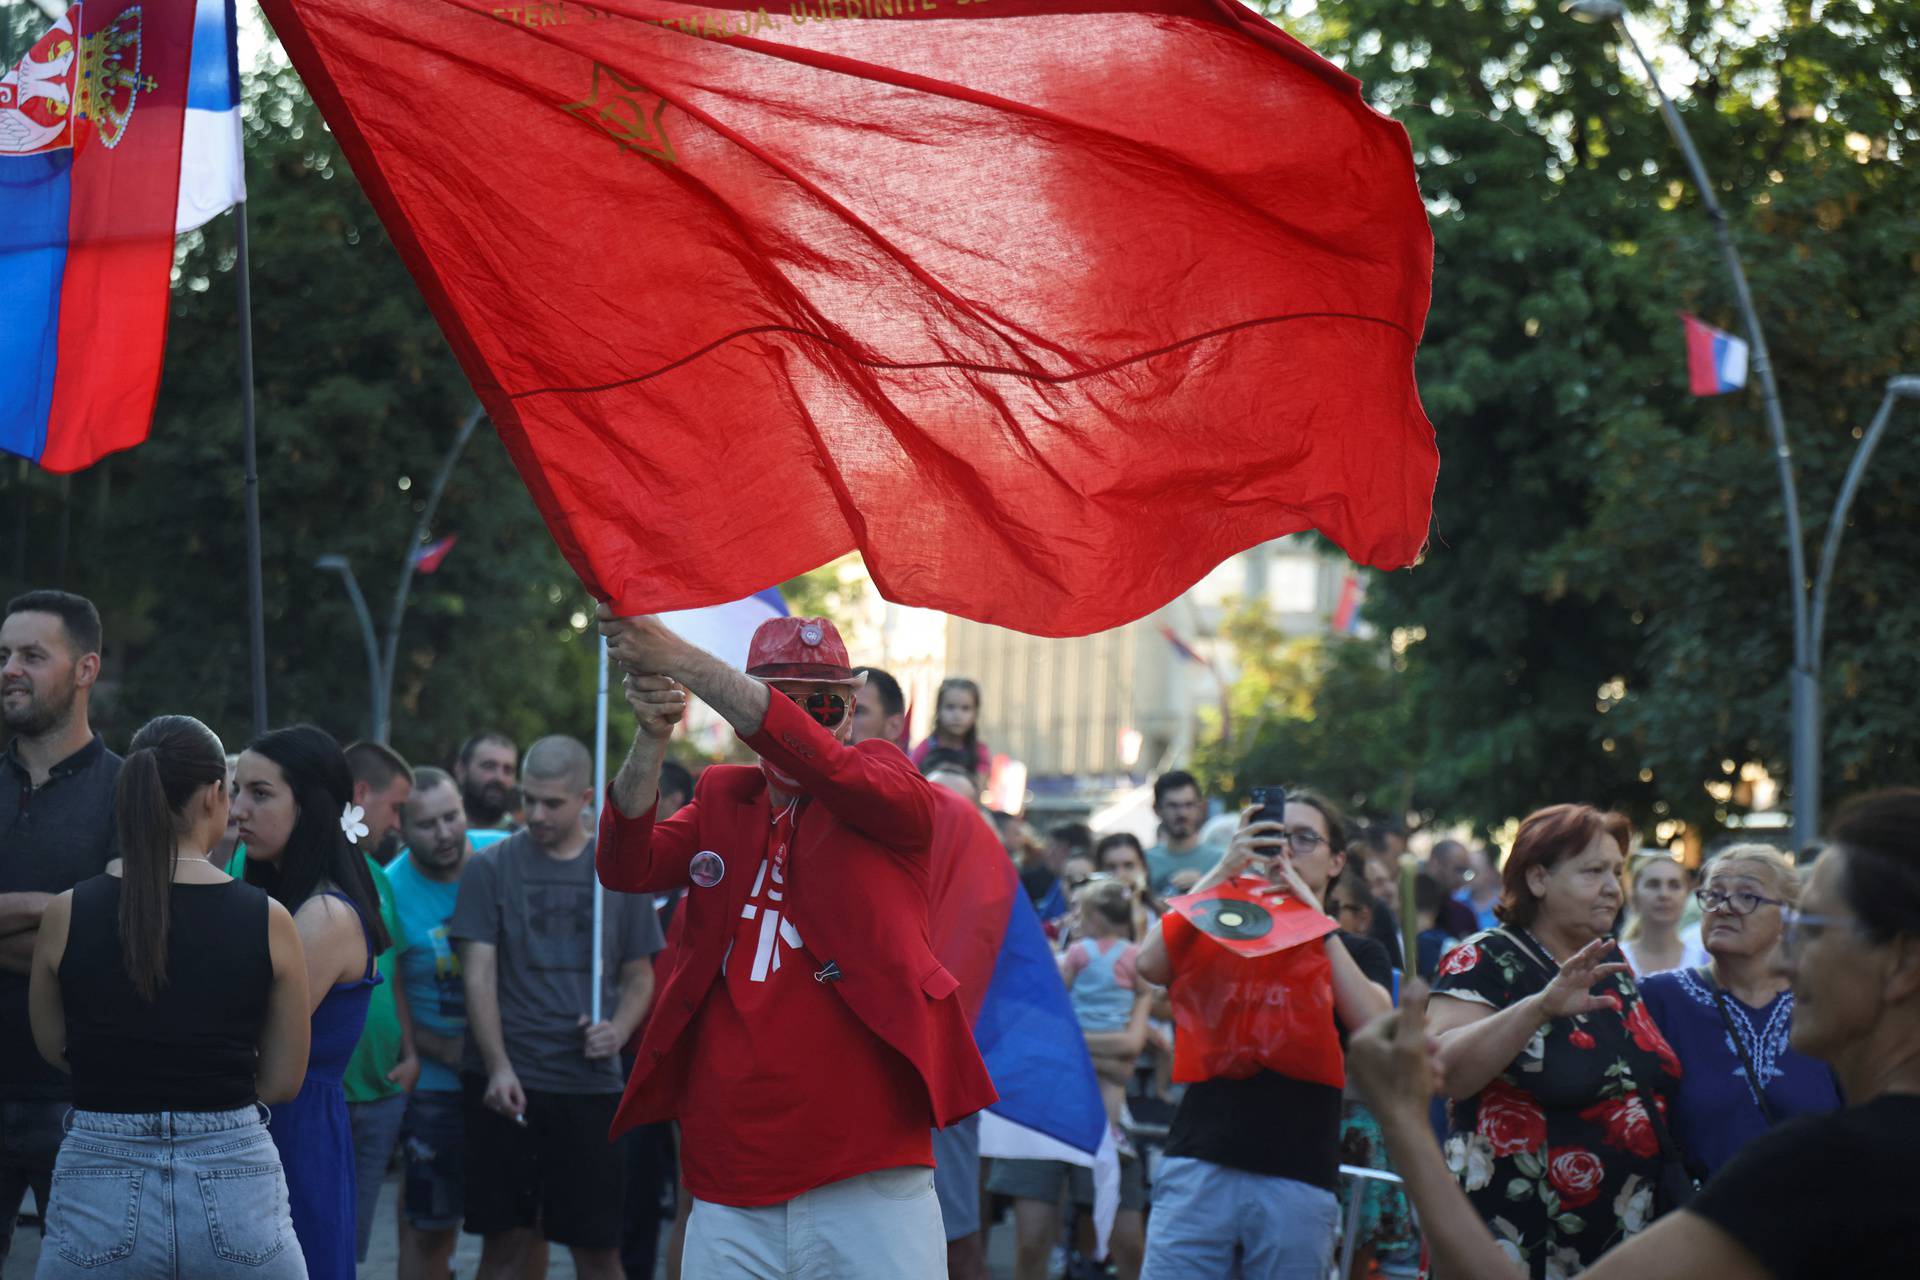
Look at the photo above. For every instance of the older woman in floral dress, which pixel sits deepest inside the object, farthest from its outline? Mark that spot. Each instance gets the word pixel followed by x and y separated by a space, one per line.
pixel 1556 1070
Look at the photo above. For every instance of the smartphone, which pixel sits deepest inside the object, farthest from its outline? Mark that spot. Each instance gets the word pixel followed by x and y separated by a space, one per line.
pixel 1272 804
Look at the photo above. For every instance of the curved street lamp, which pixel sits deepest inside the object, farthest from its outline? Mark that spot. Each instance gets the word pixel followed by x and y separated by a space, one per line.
pixel 1808 617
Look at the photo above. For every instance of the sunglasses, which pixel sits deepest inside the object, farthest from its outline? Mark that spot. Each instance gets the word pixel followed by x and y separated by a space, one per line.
pixel 827 709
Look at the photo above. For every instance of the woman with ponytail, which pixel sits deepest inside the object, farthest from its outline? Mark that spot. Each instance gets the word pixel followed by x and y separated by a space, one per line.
pixel 293 804
pixel 177 997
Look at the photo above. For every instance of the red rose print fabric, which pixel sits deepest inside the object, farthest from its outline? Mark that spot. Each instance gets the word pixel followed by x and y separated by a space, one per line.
pixel 1558 1153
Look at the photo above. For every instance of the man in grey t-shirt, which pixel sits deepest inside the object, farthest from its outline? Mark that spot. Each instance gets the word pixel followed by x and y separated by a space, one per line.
pixel 542 1079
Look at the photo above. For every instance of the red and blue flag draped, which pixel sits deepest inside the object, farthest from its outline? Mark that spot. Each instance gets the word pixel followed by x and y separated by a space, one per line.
pixel 90 128
pixel 985 931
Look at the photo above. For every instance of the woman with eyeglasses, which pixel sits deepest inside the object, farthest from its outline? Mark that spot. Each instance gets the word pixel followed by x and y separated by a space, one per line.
pixel 1817 1197
pixel 1557 1073
pixel 1728 1019
pixel 1253 1164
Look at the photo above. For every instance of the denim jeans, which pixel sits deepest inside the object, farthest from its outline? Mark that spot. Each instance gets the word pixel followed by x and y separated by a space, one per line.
pixel 376 1132
pixel 177 1195
pixel 1211 1222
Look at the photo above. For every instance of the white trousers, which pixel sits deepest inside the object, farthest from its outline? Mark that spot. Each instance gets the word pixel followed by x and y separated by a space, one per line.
pixel 883 1225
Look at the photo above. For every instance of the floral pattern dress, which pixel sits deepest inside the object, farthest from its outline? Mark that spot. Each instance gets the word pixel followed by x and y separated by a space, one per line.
pixel 1558 1153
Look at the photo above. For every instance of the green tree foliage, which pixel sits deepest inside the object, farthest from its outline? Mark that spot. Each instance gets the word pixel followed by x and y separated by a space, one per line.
pixel 1603 608
pixel 358 399
pixel 1325 712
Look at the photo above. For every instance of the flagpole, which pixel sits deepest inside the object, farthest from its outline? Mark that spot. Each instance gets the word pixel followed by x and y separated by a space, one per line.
pixel 256 606
pixel 599 799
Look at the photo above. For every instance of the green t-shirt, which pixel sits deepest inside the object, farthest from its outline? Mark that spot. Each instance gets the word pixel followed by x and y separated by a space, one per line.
pixel 379 1048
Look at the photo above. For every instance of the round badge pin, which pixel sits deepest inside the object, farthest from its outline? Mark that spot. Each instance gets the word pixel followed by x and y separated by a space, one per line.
pixel 707 868
pixel 809 634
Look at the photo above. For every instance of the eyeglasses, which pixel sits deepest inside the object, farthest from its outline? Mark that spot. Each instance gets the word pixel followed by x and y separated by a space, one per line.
pixel 827 709
pixel 1741 902
pixel 1304 839
pixel 1797 926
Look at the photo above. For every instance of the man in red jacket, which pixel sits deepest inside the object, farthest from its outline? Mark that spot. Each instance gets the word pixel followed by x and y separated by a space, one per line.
pixel 806 1036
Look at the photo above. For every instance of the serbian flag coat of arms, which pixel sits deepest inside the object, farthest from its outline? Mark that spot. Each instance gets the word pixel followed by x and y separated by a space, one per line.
pixel 90 129
pixel 1046 306
pixel 1251 990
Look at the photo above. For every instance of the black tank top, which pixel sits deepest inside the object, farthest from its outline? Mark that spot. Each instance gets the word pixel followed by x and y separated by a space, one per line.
pixel 195 1046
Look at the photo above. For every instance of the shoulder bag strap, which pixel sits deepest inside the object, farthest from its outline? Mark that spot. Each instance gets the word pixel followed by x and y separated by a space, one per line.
pixel 1739 1045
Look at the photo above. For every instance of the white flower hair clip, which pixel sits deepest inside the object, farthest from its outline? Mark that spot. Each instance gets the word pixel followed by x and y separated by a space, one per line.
pixel 352 822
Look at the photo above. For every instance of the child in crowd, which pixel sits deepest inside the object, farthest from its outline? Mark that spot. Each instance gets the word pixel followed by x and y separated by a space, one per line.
pixel 956 725
pixel 1098 968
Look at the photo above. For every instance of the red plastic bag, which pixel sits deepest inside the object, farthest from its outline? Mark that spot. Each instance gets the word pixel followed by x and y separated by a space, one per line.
pixel 1252 987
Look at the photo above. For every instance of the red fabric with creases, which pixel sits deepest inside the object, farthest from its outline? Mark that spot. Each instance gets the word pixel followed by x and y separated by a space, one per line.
pixel 1047 306
pixel 1236 1014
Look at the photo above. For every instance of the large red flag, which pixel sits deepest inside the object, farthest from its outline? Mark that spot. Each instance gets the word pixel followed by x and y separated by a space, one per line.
pixel 1047 306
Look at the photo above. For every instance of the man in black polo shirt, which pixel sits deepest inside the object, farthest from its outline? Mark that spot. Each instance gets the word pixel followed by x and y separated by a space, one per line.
pixel 56 829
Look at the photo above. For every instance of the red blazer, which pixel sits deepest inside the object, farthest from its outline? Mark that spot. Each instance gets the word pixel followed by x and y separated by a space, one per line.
pixel 859 892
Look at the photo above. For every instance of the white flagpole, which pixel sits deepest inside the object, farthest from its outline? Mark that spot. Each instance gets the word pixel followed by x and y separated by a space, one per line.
pixel 599 799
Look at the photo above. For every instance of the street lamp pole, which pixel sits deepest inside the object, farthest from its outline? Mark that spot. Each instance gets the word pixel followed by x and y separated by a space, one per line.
pixel 380 667
pixel 1805 672
pixel 376 690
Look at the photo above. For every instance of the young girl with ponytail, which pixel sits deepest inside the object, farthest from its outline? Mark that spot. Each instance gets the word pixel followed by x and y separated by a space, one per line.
pixel 177 997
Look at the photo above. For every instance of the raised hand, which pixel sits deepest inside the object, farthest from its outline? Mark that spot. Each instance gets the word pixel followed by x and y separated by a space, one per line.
pixel 657 702
pixel 642 644
pixel 1571 991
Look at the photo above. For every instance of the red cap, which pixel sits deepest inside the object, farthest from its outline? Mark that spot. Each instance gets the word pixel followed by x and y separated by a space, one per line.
pixel 799 649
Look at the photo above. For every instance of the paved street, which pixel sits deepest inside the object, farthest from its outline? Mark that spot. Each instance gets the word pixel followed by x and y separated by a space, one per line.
pixel 381 1256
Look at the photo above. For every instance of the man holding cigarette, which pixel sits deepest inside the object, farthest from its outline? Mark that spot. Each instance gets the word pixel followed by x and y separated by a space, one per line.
pixel 542 1077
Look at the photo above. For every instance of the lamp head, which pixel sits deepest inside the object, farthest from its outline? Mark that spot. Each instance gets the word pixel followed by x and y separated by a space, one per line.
pixel 1595 12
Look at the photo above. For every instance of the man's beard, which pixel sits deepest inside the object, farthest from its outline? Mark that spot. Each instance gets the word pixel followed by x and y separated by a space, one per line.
pixel 38 714
pixel 486 803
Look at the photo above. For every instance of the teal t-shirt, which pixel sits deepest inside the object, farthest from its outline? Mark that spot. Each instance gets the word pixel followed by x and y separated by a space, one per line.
pixel 430 963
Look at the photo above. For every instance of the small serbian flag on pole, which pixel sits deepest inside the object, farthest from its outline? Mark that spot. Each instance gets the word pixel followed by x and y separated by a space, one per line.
pixel 1716 360
pixel 90 127
pixel 429 557
pixel 1346 611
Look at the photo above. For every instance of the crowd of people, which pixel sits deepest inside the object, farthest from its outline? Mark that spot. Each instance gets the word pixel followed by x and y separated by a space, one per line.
pixel 238 991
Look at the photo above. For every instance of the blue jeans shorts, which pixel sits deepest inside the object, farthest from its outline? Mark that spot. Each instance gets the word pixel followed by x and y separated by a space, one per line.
pixel 185 1193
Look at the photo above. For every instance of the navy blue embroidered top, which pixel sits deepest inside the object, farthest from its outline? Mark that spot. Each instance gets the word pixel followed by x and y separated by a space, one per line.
pixel 1715 1113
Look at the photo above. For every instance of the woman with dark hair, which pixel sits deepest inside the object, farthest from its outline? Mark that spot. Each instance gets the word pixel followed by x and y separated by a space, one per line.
pixel 294 805
pixel 177 997
pixel 1816 1197
pixel 1558 1074
pixel 1253 1161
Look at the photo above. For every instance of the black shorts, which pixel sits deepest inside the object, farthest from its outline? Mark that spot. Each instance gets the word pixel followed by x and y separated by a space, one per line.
pixel 559 1173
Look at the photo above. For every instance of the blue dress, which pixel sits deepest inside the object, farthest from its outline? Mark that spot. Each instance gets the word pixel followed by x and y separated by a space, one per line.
pixel 1716 1112
pixel 316 1144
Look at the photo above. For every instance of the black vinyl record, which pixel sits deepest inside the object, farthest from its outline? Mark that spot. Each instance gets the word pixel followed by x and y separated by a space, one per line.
pixel 1232 918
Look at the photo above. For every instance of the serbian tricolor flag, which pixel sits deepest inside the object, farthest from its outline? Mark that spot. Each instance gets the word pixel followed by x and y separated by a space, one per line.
pixel 212 173
pixel 984 931
pixel 1046 306
pixel 428 557
pixel 1716 360
pixel 1346 610
pixel 90 126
